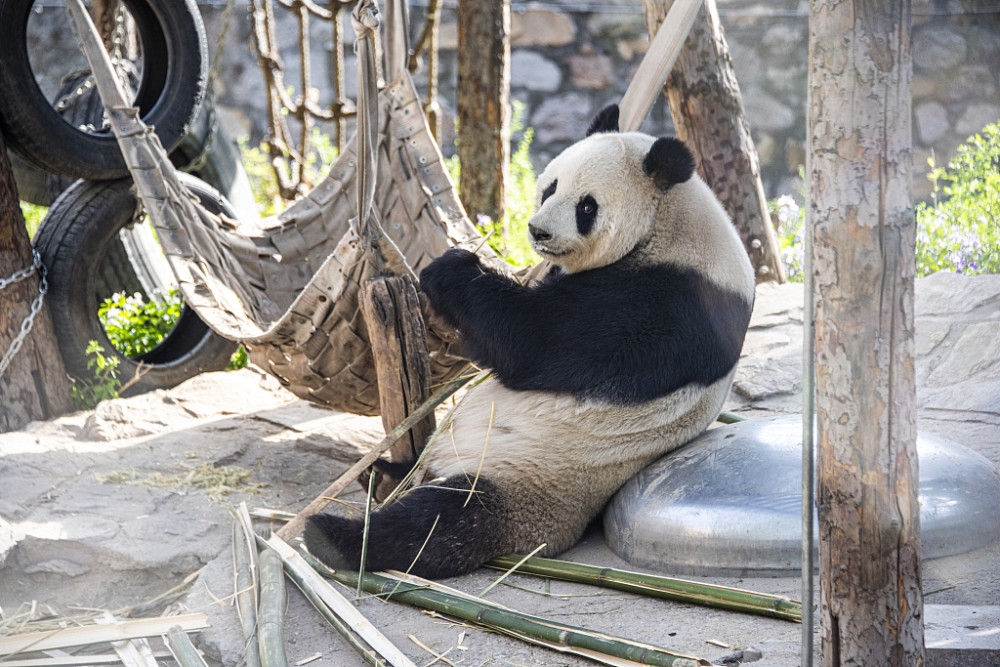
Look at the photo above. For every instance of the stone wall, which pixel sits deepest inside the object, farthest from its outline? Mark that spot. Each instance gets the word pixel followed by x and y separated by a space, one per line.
pixel 571 57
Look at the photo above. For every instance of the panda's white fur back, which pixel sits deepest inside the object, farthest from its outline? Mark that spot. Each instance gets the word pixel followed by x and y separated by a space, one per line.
pixel 626 354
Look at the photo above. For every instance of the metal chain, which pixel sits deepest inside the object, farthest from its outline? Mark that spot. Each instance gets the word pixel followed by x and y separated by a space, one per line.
pixel 36 305
pixel 123 67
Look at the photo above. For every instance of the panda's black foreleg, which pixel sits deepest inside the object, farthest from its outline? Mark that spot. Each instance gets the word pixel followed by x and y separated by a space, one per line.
pixel 431 531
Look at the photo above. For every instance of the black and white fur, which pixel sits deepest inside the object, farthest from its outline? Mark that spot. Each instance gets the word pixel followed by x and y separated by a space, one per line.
pixel 624 353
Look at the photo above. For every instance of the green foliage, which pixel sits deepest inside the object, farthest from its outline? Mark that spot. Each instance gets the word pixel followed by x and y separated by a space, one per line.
pixel 239 360
pixel 960 229
pixel 257 164
pixel 135 326
pixel 33 216
pixel 105 385
pixel 789 223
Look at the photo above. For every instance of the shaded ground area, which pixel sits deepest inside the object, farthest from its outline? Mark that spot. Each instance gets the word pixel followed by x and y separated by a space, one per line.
pixel 110 508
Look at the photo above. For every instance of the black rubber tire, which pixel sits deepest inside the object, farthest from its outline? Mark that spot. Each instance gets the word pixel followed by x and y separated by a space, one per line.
pixel 79 243
pixel 170 92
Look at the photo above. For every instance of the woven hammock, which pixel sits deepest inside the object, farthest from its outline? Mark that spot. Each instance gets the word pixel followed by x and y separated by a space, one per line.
pixel 288 287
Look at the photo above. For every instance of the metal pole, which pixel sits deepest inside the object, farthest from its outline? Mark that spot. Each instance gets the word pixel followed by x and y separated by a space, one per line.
pixel 808 431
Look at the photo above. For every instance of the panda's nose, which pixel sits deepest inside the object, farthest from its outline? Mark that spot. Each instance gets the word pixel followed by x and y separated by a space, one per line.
pixel 538 234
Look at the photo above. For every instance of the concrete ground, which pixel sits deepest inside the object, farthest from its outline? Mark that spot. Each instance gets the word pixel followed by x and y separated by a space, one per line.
pixel 100 510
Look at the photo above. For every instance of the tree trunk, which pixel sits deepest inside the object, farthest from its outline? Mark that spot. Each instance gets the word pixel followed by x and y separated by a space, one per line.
pixel 34 385
pixel 484 106
pixel 863 229
pixel 707 111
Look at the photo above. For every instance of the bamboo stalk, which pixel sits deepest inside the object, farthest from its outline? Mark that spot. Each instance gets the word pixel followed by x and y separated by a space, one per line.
pixel 74 660
pixel 681 590
pixel 271 615
pixel 294 527
pixel 245 582
pixel 368 654
pixel 337 605
pixel 182 649
pixel 567 638
pixel 93 634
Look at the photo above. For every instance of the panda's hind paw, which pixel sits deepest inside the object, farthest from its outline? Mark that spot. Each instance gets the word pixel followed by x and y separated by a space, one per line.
pixel 320 535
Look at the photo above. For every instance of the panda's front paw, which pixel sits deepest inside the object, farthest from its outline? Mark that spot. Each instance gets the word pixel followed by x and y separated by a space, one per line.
pixel 445 275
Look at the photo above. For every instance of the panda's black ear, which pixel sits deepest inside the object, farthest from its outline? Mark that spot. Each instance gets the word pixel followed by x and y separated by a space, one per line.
pixel 668 162
pixel 606 120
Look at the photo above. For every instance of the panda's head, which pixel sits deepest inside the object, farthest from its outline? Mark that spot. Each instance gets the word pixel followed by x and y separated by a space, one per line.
pixel 605 196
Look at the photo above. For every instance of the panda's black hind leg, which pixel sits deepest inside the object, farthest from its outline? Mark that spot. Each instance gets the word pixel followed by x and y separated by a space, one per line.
pixel 462 535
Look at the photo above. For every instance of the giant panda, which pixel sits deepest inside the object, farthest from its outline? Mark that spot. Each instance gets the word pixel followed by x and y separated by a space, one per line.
pixel 624 352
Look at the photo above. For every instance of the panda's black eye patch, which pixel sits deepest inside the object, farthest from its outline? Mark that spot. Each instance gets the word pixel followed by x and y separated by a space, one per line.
pixel 549 191
pixel 586 215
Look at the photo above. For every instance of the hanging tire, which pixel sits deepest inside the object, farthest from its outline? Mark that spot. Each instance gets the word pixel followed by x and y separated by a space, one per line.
pixel 80 243
pixel 171 87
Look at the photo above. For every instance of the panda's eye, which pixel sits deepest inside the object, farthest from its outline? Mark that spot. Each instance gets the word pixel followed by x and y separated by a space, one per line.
pixel 586 215
pixel 549 191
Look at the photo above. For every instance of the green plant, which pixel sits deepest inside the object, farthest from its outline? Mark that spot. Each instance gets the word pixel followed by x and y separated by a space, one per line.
pixel 105 385
pixel 33 216
pixel 135 326
pixel 789 222
pixel 959 230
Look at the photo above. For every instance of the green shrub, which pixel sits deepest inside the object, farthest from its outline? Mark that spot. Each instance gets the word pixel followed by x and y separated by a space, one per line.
pixel 960 229
pixel 33 216
pixel 104 386
pixel 135 326
pixel 264 183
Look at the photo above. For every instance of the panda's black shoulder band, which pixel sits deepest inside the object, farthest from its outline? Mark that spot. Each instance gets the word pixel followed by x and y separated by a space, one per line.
pixel 606 120
pixel 668 162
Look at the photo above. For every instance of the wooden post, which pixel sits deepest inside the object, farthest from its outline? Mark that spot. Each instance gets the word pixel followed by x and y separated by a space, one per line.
pixel 707 110
pixel 483 99
pixel 399 344
pixel 862 224
pixel 35 384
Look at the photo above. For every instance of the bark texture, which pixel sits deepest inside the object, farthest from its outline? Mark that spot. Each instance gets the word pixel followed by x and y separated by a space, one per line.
pixel 399 345
pixel 707 110
pixel 862 223
pixel 35 385
pixel 483 100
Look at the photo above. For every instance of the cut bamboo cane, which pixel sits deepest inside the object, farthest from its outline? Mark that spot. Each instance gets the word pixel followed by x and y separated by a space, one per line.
pixel 136 652
pixel 93 634
pixel 681 590
pixel 335 602
pixel 182 649
pixel 245 582
pixel 293 527
pixel 271 614
pixel 567 638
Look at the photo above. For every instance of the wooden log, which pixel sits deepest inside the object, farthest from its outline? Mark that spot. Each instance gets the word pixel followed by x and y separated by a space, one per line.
pixel 862 278
pixel 398 338
pixel 483 101
pixel 707 110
